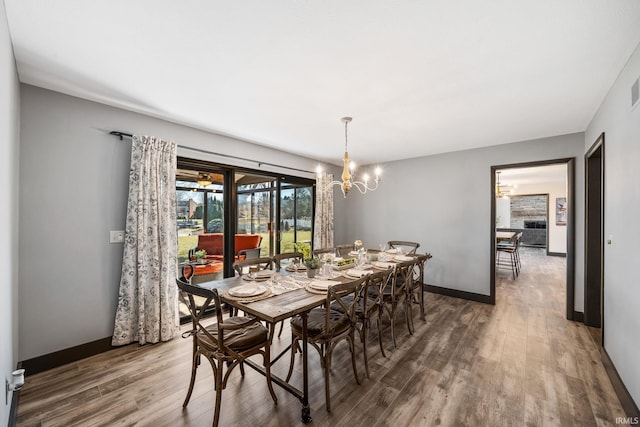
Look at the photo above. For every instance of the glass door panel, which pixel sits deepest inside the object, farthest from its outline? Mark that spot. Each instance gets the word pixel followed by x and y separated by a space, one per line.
pixel 296 215
pixel 255 215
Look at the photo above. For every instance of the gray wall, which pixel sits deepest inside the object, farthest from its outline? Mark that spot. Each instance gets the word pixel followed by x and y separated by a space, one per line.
pixel 444 202
pixel 9 138
pixel 621 126
pixel 73 190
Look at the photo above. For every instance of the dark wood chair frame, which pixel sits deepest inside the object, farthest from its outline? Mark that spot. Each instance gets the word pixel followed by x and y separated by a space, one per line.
pixel 210 342
pixel 326 340
pixel 402 243
pixel 370 305
pixel 277 259
pixel 343 250
pixel 396 295
pixel 264 263
pixel 416 291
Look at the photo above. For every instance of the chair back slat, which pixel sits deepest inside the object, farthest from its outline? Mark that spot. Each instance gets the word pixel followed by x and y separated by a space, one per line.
pixel 337 294
pixel 412 247
pixel 264 263
pixel 277 259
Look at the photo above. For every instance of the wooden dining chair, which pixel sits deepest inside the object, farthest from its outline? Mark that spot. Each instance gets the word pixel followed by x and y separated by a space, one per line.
pixel 263 263
pixel 322 251
pixel 369 306
pixel 326 327
pixel 228 342
pixel 396 295
pixel 416 290
pixel 293 256
pixel 241 267
pixel 344 250
pixel 407 247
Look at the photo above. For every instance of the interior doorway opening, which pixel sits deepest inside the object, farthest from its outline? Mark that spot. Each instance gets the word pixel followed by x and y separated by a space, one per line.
pixel 535 203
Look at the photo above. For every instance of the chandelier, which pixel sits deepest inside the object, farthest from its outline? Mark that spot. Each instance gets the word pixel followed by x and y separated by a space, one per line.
pixel 502 191
pixel 348 171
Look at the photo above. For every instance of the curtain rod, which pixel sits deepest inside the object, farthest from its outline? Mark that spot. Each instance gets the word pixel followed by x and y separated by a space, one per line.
pixel 229 156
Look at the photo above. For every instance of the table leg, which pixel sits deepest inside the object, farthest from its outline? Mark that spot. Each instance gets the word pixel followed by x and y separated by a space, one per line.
pixel 306 411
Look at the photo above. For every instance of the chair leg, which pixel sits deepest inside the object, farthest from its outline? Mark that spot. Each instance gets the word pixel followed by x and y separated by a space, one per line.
pixel 267 368
pixel 294 345
pixel 281 327
pixel 218 385
pixel 408 314
pixel 352 347
pixel 363 336
pixel 379 325
pixel 327 394
pixel 194 368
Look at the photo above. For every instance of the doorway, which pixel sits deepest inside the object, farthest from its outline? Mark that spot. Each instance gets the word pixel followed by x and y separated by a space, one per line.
pixel 594 236
pixel 560 216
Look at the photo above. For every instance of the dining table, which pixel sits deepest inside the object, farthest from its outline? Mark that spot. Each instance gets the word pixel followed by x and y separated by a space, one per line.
pixel 289 296
pixel 504 235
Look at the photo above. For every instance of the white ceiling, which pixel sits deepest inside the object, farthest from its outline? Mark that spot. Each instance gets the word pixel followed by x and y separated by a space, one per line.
pixel 418 77
pixel 555 173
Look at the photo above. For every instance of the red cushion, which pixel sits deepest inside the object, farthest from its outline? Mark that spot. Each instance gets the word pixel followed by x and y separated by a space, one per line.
pixel 247 241
pixel 213 243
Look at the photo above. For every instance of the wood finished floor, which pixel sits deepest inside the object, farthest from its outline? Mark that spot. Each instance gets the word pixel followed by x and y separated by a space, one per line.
pixel 516 363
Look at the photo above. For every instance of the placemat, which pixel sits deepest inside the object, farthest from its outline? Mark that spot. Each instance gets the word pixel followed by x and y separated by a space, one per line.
pixel 246 300
pixel 315 291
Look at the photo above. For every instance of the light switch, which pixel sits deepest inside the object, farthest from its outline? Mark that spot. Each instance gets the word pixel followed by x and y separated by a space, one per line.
pixel 116 236
pixel 610 240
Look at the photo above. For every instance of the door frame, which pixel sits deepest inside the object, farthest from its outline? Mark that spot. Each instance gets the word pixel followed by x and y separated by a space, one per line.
pixel 570 273
pixel 594 243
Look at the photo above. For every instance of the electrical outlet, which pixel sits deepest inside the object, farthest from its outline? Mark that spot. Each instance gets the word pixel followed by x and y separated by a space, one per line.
pixel 116 236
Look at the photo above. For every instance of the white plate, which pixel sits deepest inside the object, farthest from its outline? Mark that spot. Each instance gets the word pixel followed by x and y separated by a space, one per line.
pixel 247 291
pixel 301 267
pixel 248 278
pixel 357 273
pixel 392 251
pixel 322 285
pixel 402 258
pixel 263 273
pixel 383 265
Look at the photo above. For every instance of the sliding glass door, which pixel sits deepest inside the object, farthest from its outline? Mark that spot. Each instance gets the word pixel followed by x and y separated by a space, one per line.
pixel 230 212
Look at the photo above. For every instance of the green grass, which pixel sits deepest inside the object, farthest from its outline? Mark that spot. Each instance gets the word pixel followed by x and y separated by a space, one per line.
pixel 187 242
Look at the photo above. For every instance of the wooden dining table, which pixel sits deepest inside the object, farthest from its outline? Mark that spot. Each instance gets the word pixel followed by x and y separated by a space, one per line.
pixel 272 310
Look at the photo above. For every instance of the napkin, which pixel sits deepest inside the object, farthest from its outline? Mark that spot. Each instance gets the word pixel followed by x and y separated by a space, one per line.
pixel 357 272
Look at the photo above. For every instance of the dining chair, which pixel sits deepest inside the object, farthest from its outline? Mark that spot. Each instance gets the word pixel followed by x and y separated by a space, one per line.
pixel 369 305
pixel 293 256
pixel 263 263
pixel 343 250
pixel 227 342
pixel 326 327
pixel 407 247
pixel 416 290
pixel 322 251
pixel 396 295
pixel 242 267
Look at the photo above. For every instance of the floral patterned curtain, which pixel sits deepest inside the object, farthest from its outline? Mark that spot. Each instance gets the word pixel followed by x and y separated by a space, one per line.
pixel 323 226
pixel 148 299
